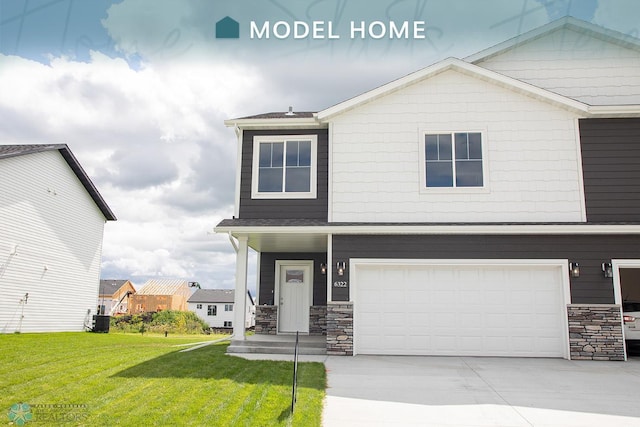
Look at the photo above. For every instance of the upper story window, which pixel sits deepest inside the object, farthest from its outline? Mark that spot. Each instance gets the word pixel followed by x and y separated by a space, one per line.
pixel 284 166
pixel 453 159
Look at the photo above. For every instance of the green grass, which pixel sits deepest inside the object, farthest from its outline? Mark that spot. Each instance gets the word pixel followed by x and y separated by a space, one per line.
pixel 126 379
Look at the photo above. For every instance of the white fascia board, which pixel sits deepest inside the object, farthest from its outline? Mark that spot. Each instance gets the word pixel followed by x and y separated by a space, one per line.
pixel 522 87
pixel 509 229
pixel 301 122
pixel 462 67
pixel 385 89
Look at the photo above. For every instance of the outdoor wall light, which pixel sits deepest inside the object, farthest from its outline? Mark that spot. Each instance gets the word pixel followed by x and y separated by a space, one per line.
pixel 323 268
pixel 574 269
pixel 341 266
pixel 607 270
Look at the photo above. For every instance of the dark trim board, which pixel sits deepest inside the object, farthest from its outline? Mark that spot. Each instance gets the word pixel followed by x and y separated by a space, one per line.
pixel 268 275
pixel 589 251
pixel 285 208
pixel 611 168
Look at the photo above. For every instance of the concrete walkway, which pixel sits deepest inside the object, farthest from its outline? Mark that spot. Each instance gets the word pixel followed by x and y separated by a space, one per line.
pixel 474 391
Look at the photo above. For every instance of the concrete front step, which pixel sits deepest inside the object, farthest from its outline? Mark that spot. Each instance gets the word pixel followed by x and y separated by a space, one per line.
pixel 277 347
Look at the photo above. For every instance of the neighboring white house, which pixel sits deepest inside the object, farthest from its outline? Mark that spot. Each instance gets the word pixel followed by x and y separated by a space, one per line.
pixel 51 227
pixel 215 306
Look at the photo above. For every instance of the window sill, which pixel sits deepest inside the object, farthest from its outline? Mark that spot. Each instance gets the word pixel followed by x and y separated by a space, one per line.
pixel 455 190
pixel 276 196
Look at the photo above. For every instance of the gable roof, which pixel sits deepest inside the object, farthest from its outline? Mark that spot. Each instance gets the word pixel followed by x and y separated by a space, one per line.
pixel 213 295
pixel 464 68
pixel 110 287
pixel 163 287
pixel 8 151
pixel 468 66
pixel 568 22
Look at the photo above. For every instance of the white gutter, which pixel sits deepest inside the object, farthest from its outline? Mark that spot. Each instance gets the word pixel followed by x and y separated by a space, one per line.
pixel 306 122
pixel 614 110
pixel 529 229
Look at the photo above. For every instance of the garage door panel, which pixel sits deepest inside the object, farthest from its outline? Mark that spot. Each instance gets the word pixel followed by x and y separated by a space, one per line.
pixel 496 310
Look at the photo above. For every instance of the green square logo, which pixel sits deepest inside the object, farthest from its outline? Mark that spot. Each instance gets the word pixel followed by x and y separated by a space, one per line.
pixel 227 28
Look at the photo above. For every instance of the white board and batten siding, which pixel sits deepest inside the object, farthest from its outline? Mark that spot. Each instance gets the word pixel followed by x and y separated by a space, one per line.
pixel 531 156
pixel 56 230
pixel 461 308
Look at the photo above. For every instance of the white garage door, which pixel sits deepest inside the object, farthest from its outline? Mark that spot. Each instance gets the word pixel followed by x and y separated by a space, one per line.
pixel 474 310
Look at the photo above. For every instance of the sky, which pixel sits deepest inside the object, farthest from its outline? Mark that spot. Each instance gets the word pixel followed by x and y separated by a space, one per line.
pixel 139 90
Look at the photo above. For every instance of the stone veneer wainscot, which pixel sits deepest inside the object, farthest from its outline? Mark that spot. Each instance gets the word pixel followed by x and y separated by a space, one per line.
pixel 595 332
pixel 340 329
pixel 318 320
pixel 266 319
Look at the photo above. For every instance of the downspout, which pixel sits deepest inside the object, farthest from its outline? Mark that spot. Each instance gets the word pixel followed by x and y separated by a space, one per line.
pixel 236 209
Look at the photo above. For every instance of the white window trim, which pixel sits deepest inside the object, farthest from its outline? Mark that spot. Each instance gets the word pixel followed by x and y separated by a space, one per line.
pixel 257 140
pixel 448 190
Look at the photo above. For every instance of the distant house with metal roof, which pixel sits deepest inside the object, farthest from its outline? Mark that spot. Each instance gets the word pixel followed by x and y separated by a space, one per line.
pixel 215 306
pixel 114 295
pixel 161 294
pixel 52 221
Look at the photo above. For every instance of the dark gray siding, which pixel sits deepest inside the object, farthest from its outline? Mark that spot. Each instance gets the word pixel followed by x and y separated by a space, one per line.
pixel 589 251
pixel 611 168
pixel 285 208
pixel 268 275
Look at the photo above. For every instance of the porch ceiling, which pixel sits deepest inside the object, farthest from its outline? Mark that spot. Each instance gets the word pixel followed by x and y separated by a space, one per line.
pixel 278 242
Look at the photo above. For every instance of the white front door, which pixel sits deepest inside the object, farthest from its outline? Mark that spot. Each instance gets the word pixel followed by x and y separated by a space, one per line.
pixel 294 295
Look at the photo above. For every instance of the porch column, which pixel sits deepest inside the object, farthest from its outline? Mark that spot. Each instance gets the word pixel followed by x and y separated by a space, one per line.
pixel 240 297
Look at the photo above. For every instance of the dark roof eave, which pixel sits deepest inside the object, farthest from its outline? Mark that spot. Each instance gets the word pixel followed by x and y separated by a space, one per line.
pixel 87 183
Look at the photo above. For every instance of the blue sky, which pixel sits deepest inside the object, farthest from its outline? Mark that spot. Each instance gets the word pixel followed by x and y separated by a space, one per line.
pixel 139 90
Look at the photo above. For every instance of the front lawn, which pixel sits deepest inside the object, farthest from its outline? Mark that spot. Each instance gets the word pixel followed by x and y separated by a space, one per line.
pixel 122 379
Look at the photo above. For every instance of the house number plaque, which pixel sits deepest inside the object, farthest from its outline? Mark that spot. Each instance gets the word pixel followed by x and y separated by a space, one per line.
pixel 339 284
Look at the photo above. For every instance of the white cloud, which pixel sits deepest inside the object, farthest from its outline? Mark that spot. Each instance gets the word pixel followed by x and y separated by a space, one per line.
pixel 151 134
pixel 153 141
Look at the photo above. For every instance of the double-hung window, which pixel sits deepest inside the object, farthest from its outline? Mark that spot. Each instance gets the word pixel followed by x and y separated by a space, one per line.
pixel 212 310
pixel 453 160
pixel 284 166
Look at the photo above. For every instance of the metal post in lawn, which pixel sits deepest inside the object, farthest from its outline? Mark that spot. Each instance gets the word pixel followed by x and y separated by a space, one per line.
pixel 295 375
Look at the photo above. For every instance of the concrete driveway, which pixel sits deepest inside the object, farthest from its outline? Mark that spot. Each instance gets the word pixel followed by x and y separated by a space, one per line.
pixel 478 391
